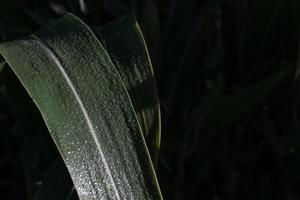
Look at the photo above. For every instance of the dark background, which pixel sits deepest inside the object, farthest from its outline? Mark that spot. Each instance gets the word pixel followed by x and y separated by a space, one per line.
pixel 227 74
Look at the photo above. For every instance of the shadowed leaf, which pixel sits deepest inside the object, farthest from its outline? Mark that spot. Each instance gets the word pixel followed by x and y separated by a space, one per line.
pixel 128 51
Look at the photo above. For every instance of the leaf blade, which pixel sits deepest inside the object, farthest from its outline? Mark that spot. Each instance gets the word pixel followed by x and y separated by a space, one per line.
pixel 87 110
pixel 136 70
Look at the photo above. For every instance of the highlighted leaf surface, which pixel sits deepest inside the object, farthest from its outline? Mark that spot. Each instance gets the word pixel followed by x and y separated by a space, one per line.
pixel 87 109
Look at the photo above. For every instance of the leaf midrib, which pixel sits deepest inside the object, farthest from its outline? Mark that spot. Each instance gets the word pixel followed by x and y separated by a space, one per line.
pixel 92 130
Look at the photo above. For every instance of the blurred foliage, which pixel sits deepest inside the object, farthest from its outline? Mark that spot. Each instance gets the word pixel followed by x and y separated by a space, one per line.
pixel 228 81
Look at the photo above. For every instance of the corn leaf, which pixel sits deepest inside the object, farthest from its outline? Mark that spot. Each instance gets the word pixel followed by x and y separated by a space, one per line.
pixel 87 110
pixel 128 51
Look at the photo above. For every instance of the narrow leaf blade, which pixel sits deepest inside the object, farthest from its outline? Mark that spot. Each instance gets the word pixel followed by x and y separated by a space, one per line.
pixel 128 51
pixel 87 109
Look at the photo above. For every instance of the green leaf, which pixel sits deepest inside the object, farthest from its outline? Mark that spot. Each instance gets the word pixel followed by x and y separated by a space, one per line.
pixel 87 109
pixel 150 22
pixel 225 110
pixel 218 111
pixel 128 51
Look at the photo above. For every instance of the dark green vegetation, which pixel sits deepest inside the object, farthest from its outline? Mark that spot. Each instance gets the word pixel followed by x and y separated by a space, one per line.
pixel 90 97
pixel 227 75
